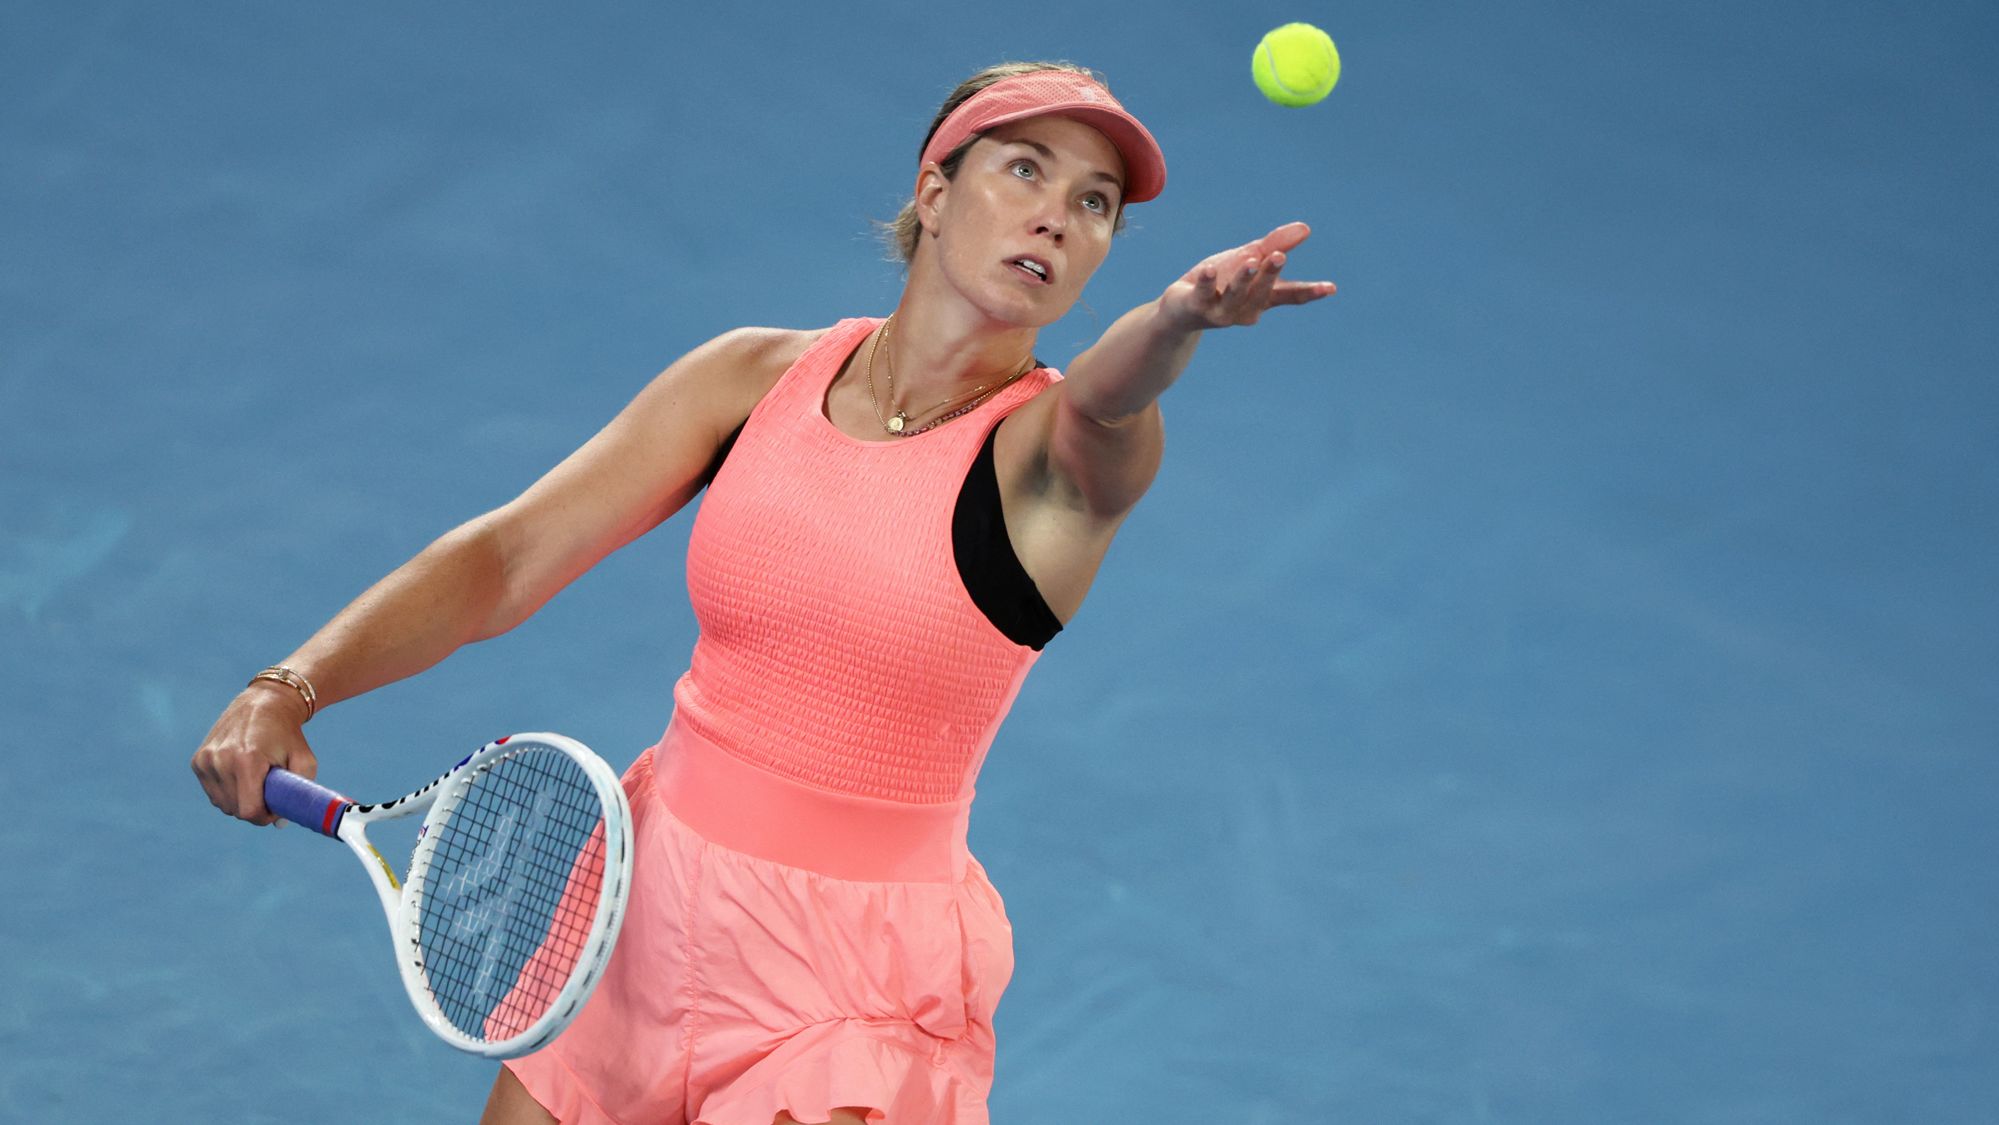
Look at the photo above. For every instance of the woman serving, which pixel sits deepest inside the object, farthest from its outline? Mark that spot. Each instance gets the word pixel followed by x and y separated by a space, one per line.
pixel 901 513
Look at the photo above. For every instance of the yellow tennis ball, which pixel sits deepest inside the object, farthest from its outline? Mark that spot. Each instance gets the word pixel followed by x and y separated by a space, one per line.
pixel 1296 65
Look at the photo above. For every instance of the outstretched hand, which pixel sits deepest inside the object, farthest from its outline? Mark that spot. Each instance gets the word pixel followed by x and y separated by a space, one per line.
pixel 1238 285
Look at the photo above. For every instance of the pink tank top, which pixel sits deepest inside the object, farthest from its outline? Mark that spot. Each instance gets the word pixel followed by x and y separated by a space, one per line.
pixel 838 645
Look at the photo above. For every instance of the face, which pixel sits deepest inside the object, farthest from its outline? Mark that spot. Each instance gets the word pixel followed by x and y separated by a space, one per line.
pixel 1027 220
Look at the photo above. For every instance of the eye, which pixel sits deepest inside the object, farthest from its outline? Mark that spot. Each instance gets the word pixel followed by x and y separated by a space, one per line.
pixel 1095 201
pixel 1023 165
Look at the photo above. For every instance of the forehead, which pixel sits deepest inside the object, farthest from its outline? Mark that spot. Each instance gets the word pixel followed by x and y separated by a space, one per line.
pixel 1069 139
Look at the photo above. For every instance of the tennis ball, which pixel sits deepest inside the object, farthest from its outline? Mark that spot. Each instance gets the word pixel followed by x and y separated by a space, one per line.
pixel 1296 65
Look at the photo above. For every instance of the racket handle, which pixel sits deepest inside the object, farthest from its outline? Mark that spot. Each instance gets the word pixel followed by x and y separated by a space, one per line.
pixel 306 802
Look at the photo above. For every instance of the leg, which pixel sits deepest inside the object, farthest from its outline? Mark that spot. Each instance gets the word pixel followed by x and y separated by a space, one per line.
pixel 509 1104
pixel 845 1115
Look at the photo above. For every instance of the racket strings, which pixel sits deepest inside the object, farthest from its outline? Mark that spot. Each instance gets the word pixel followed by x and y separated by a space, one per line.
pixel 511 891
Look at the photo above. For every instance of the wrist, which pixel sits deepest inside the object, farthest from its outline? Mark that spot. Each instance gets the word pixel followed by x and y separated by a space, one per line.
pixel 284 682
pixel 1174 323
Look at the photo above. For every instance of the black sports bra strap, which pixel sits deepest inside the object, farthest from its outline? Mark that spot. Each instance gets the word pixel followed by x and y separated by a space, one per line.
pixel 1000 586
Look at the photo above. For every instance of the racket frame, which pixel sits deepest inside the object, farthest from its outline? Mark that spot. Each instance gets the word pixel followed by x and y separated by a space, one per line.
pixel 402 898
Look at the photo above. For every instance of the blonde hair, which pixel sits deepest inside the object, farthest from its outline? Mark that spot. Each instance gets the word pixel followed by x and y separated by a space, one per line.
pixel 903 232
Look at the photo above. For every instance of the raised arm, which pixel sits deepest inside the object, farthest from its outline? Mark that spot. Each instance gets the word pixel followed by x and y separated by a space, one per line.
pixel 491 573
pixel 1104 433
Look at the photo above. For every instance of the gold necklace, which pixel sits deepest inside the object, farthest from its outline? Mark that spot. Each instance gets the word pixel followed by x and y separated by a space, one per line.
pixel 898 424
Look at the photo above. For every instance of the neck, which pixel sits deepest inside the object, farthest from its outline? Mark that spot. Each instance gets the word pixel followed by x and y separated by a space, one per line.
pixel 941 348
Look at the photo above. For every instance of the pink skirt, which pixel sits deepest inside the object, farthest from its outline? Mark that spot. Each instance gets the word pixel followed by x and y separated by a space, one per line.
pixel 785 948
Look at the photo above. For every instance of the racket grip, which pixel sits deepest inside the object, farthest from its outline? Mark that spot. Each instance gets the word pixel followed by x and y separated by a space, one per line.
pixel 306 802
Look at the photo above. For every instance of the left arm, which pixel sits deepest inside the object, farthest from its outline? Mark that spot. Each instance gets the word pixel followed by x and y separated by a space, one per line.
pixel 1104 435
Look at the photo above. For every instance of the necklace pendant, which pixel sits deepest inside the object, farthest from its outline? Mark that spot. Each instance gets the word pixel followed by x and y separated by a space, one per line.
pixel 895 423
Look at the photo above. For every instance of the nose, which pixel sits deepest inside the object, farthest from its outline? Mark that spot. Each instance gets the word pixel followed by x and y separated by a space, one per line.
pixel 1052 223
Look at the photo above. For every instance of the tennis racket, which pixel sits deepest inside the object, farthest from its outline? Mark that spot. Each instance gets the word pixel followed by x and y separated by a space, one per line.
pixel 512 901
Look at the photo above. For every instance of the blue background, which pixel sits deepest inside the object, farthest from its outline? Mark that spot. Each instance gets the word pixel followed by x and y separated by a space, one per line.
pixel 1552 681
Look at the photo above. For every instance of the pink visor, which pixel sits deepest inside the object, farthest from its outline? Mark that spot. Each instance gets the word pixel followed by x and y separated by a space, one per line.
pixel 1069 95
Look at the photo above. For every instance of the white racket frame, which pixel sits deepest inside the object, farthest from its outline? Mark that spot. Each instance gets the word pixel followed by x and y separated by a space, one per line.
pixel 402 900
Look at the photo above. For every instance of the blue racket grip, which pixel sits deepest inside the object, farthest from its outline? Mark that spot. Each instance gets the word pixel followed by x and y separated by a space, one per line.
pixel 304 802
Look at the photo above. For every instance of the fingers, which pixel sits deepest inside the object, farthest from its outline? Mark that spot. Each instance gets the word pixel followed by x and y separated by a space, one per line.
pixel 1247 290
pixel 1278 243
pixel 1301 292
pixel 1237 266
pixel 211 782
pixel 1283 239
pixel 239 752
pixel 247 786
pixel 1256 295
pixel 1236 286
pixel 234 782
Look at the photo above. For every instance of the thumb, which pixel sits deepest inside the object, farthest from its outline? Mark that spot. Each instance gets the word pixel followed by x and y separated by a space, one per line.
pixel 303 761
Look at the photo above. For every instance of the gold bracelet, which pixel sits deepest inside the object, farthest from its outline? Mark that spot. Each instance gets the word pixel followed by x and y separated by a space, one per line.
pixel 279 674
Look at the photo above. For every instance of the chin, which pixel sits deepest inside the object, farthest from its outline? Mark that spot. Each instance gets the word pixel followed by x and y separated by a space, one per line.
pixel 1020 310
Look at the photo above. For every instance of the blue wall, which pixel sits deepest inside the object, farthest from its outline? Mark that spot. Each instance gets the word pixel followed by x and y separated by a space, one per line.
pixel 1552 681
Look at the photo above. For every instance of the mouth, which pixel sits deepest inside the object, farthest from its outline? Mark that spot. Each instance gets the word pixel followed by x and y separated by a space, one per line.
pixel 1034 269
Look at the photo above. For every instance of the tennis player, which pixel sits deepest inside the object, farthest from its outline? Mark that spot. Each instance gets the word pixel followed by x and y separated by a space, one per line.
pixel 901 513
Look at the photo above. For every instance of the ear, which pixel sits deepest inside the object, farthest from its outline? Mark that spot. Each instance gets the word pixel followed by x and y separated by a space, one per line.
pixel 931 188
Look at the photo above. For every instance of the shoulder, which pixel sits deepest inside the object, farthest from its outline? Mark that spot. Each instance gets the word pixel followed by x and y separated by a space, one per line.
pixel 765 346
pixel 728 375
pixel 753 356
